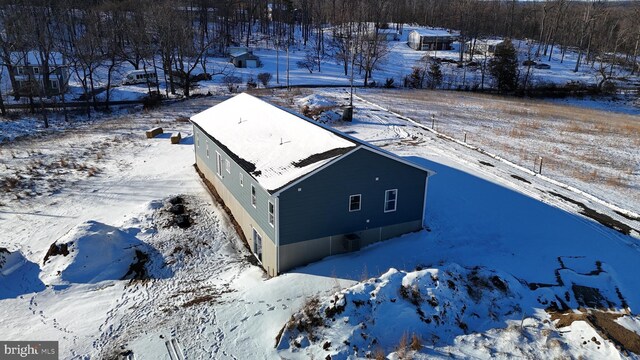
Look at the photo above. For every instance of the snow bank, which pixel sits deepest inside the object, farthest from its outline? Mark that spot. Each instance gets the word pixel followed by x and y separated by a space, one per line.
pixel 90 253
pixel 316 101
pixel 437 304
pixel 438 313
pixel 17 275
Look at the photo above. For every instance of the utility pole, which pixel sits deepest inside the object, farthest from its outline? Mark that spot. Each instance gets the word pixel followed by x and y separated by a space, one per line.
pixel 277 61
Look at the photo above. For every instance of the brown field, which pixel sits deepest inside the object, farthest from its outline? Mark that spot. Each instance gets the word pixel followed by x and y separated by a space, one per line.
pixel 593 150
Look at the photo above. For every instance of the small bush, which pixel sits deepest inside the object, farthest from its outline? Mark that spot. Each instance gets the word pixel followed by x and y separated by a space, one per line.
pixel 264 78
pixel 232 81
pixel 608 87
pixel 251 83
pixel 388 84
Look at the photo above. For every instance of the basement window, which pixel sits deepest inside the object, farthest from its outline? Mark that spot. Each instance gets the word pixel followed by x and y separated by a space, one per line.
pixel 355 202
pixel 272 216
pixel 390 200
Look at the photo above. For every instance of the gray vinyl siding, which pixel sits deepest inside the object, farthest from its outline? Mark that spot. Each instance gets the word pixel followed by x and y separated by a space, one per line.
pixel 321 207
pixel 232 182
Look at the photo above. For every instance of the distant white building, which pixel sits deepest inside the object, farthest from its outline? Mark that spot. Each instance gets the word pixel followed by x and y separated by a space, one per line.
pixel 389 34
pixel 29 72
pixel 482 46
pixel 431 39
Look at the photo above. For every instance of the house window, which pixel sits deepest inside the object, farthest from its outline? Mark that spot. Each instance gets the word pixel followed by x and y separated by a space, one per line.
pixel 36 70
pixel 390 200
pixel 54 84
pixel 218 164
pixel 253 196
pixel 207 149
pixel 355 202
pixel 241 180
pixel 272 216
pixel 20 70
pixel 198 139
pixel 227 165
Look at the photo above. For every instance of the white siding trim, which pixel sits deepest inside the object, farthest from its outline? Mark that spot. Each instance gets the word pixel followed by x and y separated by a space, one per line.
pixel 277 227
pixel 424 202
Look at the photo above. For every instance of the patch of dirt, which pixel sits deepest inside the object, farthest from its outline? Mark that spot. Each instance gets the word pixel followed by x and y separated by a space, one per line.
pixel 604 323
pixel 565 318
pixel 590 297
pixel 181 217
pixel 54 250
pixel 520 178
pixel 627 216
pixel 199 300
pixel 603 219
pixel 138 270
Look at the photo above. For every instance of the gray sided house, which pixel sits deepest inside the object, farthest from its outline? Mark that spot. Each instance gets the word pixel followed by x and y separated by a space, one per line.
pixel 33 78
pixel 301 191
pixel 431 39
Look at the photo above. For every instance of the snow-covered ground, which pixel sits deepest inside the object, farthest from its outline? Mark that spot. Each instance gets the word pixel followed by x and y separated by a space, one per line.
pixel 103 189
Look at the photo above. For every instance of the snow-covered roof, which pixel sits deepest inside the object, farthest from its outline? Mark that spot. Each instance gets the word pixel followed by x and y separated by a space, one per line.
pixel 241 53
pixel 487 41
pixel 273 144
pixel 33 58
pixel 433 32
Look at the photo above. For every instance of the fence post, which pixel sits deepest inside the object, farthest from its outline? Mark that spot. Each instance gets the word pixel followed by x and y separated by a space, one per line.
pixel 540 169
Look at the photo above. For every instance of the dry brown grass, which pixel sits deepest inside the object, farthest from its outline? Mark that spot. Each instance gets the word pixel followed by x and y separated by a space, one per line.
pixel 416 342
pixel 616 181
pixel 378 354
pixel 403 346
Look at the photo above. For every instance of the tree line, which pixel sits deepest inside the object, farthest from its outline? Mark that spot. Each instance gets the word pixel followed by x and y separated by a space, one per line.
pixel 177 35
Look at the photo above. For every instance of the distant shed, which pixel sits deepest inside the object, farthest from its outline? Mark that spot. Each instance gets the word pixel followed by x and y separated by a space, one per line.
pixel 244 59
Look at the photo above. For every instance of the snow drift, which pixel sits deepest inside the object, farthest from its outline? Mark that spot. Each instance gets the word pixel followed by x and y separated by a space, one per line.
pixel 18 275
pixel 93 252
pixel 442 312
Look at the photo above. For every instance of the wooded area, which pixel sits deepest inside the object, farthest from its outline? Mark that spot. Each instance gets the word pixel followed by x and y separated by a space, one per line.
pixel 178 35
